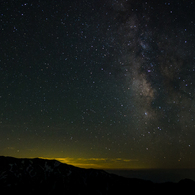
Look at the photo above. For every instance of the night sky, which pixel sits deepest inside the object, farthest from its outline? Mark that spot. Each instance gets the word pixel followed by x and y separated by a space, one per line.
pixel 101 84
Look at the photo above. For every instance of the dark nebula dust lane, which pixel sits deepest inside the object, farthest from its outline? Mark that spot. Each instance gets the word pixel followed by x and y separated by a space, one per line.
pixel 99 83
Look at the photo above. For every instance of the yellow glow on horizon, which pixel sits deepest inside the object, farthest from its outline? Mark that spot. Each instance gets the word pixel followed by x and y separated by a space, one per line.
pixel 98 163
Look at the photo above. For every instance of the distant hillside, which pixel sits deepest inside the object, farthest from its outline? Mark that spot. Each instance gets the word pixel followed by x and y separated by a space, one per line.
pixel 30 176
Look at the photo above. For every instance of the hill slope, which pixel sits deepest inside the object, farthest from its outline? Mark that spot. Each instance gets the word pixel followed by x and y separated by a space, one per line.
pixel 30 176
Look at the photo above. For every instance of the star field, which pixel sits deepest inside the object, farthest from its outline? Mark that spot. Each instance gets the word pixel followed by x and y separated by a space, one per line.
pixel 98 84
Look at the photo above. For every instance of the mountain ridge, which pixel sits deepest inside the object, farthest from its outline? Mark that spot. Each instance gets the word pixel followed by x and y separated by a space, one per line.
pixel 32 175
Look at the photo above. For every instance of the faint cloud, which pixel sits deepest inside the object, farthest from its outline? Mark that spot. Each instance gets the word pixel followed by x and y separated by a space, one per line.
pixel 9 148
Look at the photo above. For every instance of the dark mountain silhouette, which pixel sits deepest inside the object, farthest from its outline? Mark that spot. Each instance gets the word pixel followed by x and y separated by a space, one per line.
pixel 31 176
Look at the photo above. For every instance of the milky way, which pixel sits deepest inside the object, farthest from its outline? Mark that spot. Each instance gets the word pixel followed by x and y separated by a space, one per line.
pixel 157 59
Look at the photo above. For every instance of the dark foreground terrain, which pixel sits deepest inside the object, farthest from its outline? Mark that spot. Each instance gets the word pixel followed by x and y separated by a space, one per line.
pixel 31 176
